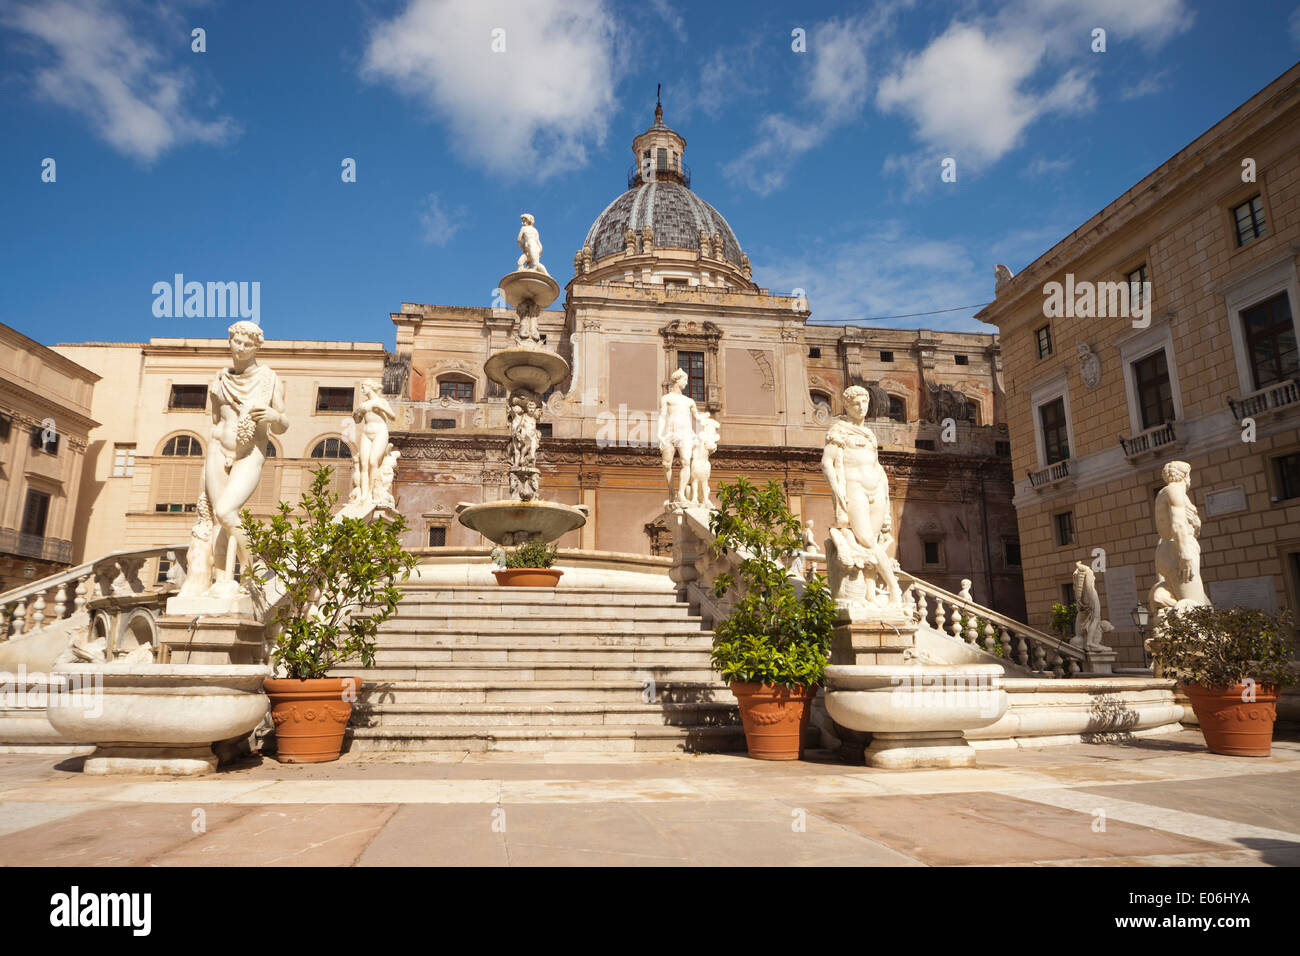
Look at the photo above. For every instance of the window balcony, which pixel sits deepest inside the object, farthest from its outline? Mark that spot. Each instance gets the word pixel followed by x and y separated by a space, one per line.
pixel 35 546
pixel 1153 440
pixel 1274 398
pixel 1050 476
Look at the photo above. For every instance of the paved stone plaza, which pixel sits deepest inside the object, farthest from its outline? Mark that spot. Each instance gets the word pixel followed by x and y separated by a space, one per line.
pixel 1166 802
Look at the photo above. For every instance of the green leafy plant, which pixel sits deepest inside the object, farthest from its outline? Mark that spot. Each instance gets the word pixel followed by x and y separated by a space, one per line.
pixel 1063 616
pixel 774 634
pixel 1220 647
pixel 340 578
pixel 533 554
pixel 980 623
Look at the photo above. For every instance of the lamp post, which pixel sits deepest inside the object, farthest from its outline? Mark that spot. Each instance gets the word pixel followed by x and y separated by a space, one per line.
pixel 1141 617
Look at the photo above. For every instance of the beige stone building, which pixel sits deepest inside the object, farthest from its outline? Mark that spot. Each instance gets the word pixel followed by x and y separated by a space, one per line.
pixel 143 472
pixel 661 282
pixel 1099 401
pixel 45 420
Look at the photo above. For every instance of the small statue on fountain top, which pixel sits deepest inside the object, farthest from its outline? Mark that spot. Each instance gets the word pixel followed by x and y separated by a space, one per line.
pixel 530 241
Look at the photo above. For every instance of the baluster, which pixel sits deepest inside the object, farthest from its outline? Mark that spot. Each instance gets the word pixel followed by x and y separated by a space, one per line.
pixel 6 617
pixel 990 644
pixel 1022 651
pixel 972 629
pixel 38 610
pixel 1058 666
pixel 922 606
pixel 1040 659
pixel 61 602
pixel 1073 669
pixel 939 614
pixel 83 586
pixel 20 617
pixel 955 624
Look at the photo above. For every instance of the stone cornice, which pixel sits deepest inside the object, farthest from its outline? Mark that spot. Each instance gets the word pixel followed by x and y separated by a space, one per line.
pixel 60 413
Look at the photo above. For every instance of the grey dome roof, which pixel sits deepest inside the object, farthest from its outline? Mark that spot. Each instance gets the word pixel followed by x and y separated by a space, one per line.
pixel 674 212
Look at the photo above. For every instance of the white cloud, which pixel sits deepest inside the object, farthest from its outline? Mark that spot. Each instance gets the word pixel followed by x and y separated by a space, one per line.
pixel 664 11
pixel 107 70
pixel 1147 85
pixel 973 91
pixel 1293 24
pixel 437 223
pixel 532 109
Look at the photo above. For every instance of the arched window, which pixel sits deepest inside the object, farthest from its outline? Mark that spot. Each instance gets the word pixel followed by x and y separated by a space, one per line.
pixel 897 408
pixel 459 388
pixel 270 449
pixel 182 446
pixel 331 448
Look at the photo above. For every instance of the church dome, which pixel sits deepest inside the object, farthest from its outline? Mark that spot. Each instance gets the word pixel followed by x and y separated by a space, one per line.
pixel 676 215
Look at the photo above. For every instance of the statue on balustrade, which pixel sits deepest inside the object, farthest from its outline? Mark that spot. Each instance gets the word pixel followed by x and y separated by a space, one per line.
pixel 1088 622
pixel 1178 552
pixel 860 568
pixel 247 405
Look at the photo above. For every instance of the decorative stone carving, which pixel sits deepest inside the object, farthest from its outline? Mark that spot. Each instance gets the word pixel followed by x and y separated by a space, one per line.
pixel 1088 622
pixel 647 239
pixel 1089 366
pixel 382 486
pixel 746 269
pixel 706 245
pixel 678 425
pixel 530 241
pixel 524 415
pixel 947 402
pixel 374 415
pixel 247 405
pixel 1178 552
pixel 1001 276
pixel 629 241
pixel 861 570
pixel 706 443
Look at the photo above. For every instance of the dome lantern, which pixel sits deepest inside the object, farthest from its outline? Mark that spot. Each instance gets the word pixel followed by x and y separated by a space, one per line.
pixel 658 152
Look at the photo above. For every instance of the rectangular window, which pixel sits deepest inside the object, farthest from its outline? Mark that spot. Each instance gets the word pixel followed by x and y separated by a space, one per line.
pixel 544 429
pixel 1043 337
pixel 925 444
pixel 440 423
pixel 814 352
pixel 1067 593
pixel 1287 469
pixel 35 512
pixel 6 423
pixel 163 567
pixel 437 537
pixel 897 409
pixel 46 440
pixel 692 363
pixel 457 391
pixel 1011 552
pixel 933 554
pixel 1249 217
pixel 190 398
pixel 334 399
pixel 1056 436
pixel 1154 392
pixel 961 359
pixel 1002 449
pixel 123 461
pixel 1271 341
pixel 174 509
pixel 1136 278
pixel 886 356
pixel 1064 528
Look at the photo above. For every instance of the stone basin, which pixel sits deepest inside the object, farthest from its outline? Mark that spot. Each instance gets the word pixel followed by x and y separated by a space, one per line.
pixel 514 522
pixel 526 367
pixel 527 284
pixel 156 718
pixel 916 714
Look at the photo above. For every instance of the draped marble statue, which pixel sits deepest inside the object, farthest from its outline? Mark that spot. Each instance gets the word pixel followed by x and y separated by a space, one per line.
pixel 1088 622
pixel 1178 552
pixel 247 405
pixel 860 568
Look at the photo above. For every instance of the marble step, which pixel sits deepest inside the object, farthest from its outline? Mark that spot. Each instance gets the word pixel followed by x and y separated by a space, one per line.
pixel 547 608
pixel 491 625
pixel 375 691
pixel 406 655
pixel 523 671
pixel 433 638
pixel 630 738
pixel 522 714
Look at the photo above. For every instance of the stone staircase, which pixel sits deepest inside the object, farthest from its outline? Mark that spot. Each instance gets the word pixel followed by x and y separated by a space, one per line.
pixel 538 669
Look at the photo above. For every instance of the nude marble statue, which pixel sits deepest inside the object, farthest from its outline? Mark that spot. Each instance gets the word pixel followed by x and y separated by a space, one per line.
pixel 530 241
pixel 1178 552
pixel 374 415
pixel 678 426
pixel 1088 622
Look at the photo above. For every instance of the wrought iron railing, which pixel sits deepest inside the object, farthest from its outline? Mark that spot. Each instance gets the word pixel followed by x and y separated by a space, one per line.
pixel 1152 439
pixel 35 546
pixel 1281 395
pixel 1050 474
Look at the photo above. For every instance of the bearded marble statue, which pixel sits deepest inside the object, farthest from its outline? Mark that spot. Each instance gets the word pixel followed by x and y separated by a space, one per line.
pixel 860 569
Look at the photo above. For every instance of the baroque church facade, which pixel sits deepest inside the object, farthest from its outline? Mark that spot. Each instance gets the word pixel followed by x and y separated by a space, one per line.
pixel 662 282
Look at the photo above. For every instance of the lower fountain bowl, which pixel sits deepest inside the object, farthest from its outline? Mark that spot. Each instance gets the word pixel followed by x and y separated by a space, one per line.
pixel 526 367
pixel 514 522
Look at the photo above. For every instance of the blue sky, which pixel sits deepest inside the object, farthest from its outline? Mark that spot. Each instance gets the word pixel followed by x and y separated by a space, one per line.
pixel 225 165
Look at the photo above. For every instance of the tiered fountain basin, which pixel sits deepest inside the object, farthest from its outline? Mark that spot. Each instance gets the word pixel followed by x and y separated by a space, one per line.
pixel 512 523
pixel 529 284
pixel 156 718
pixel 533 368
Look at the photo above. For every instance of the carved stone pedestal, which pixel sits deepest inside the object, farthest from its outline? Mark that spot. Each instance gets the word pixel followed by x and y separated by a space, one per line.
pixel 221 639
pixel 872 636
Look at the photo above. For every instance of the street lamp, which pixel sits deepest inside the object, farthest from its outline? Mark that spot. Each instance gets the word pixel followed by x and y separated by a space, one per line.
pixel 1141 617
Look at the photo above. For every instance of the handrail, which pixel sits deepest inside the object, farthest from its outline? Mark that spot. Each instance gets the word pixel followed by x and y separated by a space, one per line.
pixel 71 574
pixel 1064 648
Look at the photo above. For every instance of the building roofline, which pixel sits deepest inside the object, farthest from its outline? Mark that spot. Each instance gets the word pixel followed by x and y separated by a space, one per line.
pixel 51 356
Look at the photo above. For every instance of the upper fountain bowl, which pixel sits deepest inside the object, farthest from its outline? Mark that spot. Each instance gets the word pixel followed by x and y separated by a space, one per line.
pixel 528 284
pixel 526 367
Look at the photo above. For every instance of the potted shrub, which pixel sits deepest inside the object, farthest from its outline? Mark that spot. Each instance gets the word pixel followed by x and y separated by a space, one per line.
pixel 1231 662
pixel 529 566
pixel 339 577
pixel 773 646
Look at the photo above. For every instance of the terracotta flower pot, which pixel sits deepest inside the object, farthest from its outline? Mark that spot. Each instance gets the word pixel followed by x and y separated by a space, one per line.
pixel 1232 726
pixel 775 718
pixel 528 577
pixel 310 716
